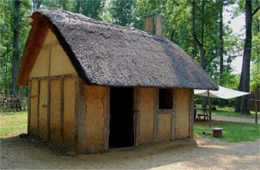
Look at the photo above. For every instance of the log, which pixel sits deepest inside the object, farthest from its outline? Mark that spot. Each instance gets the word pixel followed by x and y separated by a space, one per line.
pixel 217 132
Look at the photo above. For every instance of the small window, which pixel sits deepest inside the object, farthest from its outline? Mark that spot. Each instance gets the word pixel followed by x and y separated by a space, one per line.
pixel 165 98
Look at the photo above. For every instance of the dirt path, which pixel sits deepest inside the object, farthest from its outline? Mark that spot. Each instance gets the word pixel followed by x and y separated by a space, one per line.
pixel 199 154
pixel 233 119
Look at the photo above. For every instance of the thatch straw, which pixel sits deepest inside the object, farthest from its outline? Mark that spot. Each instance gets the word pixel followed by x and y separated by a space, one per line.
pixel 110 55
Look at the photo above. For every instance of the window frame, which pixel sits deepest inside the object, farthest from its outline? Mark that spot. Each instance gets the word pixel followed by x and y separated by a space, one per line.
pixel 166 109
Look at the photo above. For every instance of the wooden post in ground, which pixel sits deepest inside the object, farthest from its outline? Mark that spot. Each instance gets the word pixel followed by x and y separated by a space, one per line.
pixel 209 103
pixel 29 108
pixel 255 111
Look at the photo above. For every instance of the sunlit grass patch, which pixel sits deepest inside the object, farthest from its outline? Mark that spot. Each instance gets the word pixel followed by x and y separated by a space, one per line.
pixel 13 123
pixel 232 131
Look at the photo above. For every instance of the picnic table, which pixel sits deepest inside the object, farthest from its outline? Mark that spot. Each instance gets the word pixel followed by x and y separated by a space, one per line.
pixel 202 116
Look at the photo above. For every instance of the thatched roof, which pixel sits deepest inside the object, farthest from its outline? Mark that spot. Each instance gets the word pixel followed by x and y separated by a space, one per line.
pixel 110 55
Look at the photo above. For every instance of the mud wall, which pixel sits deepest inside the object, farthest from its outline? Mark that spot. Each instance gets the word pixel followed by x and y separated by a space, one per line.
pixel 96 115
pixel 164 126
pixel 147 109
pixel 182 113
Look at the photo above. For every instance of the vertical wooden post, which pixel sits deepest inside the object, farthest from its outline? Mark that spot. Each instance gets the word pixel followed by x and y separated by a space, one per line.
pixel 76 105
pixel 29 108
pixel 173 116
pixel 49 109
pixel 107 121
pixel 137 115
pixel 209 104
pixel 49 98
pixel 62 109
pixel 38 107
pixel 255 109
pixel 155 119
pixel 191 104
pixel 81 112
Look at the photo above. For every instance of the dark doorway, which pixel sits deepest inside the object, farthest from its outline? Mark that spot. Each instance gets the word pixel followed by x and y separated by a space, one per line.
pixel 121 118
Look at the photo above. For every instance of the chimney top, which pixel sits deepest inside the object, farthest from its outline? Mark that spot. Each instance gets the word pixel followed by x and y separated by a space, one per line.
pixel 153 24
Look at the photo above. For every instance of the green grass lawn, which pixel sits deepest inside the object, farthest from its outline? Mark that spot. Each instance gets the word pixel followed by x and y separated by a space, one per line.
pixel 229 111
pixel 232 131
pixel 12 123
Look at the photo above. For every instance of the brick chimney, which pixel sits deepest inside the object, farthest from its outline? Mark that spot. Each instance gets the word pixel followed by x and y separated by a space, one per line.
pixel 153 24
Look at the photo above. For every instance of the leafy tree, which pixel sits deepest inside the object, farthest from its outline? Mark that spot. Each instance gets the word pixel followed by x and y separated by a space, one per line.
pixel 251 8
pixel 14 30
pixel 90 8
pixel 123 12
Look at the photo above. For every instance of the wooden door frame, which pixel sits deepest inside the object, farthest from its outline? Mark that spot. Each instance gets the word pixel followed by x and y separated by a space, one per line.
pixel 135 114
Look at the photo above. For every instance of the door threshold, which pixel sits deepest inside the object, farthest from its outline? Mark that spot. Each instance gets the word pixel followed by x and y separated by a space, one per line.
pixel 122 148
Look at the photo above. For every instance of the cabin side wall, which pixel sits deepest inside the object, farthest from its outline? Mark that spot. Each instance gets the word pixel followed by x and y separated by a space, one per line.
pixel 53 86
pixel 157 125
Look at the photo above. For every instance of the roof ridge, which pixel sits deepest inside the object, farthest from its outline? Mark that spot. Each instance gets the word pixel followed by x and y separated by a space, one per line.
pixel 84 18
pixel 111 55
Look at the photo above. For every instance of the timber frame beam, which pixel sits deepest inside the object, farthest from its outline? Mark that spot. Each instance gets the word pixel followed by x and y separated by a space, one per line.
pixel 29 108
pixel 155 118
pixel 137 115
pixel 191 114
pixel 173 116
pixel 107 122
pixel 54 77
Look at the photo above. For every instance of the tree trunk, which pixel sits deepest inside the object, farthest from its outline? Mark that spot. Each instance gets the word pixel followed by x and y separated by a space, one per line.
pixel 239 99
pixel 244 84
pixel 200 43
pixel 221 41
pixel 15 46
pixel 221 47
pixel 247 57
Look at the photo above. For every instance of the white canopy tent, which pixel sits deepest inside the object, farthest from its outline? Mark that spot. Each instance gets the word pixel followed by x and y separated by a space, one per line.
pixel 222 93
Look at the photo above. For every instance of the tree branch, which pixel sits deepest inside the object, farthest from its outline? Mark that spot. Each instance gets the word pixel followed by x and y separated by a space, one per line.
pixel 193 25
pixel 255 11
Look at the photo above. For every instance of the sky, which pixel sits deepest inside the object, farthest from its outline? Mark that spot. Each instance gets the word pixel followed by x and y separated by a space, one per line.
pixel 237 24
